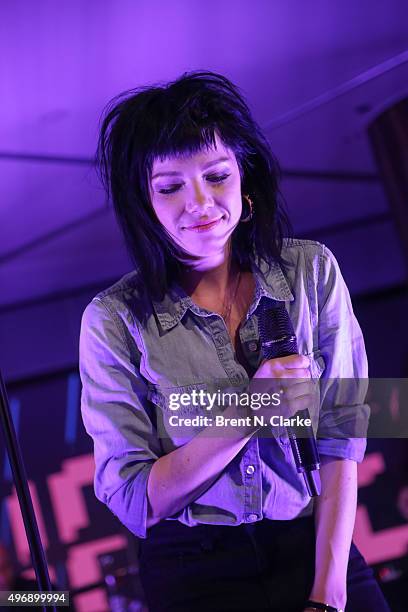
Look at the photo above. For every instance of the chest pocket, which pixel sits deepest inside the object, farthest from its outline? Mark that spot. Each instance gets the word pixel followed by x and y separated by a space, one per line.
pixel 183 401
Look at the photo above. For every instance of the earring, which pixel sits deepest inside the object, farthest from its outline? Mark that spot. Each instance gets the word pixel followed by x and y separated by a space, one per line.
pixel 251 209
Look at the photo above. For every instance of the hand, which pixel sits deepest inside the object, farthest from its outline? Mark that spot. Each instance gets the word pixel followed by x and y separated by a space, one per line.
pixel 292 366
pixel 286 387
pixel 290 378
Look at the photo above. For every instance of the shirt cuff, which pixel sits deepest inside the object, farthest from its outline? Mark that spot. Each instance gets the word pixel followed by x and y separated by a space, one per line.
pixel 130 503
pixel 343 448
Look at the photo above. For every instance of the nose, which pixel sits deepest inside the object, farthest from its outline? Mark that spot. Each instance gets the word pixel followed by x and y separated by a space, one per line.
pixel 199 201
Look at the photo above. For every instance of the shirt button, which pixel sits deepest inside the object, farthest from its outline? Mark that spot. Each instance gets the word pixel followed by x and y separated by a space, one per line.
pixel 252 346
pixel 250 469
pixel 251 518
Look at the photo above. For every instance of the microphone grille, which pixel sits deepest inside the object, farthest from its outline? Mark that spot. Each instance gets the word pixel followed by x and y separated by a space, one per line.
pixel 276 330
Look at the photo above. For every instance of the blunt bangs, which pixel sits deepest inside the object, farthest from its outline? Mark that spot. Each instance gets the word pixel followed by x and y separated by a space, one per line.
pixel 175 130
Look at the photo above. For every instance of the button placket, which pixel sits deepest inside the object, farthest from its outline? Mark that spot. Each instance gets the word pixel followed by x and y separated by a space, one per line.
pixel 251 518
pixel 250 342
pixel 220 340
pixel 253 482
pixel 235 372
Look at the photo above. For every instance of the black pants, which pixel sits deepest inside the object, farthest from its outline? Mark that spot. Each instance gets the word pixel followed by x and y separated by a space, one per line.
pixel 268 565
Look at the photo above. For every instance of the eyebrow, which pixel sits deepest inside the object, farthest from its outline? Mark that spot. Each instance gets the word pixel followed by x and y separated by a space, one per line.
pixel 205 167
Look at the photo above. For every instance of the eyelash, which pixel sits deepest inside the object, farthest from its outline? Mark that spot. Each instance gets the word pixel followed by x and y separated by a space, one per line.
pixel 212 178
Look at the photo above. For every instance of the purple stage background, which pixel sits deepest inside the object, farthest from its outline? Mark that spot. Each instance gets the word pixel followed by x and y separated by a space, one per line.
pixel 316 78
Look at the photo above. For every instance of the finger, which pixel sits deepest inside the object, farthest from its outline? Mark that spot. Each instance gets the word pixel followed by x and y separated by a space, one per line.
pixel 297 387
pixel 295 361
pixel 299 403
pixel 293 373
pixel 290 362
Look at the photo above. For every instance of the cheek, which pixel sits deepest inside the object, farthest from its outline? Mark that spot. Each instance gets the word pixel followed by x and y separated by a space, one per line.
pixel 166 212
pixel 162 215
pixel 233 196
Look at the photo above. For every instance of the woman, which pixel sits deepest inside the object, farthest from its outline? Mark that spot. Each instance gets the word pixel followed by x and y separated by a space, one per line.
pixel 225 521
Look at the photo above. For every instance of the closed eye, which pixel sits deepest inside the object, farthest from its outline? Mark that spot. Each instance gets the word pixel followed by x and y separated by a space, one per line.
pixel 217 178
pixel 171 189
pixel 212 178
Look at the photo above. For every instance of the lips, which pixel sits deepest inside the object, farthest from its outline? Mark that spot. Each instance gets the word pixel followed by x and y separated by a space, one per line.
pixel 201 227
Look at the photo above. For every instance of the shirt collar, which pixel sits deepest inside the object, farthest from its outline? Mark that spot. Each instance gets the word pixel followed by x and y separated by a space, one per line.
pixel 269 283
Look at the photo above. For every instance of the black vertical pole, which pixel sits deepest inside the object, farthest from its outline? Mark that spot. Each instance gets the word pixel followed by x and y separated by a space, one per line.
pixel 23 493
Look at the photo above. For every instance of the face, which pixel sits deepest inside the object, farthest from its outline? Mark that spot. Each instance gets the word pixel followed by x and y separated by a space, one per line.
pixel 198 201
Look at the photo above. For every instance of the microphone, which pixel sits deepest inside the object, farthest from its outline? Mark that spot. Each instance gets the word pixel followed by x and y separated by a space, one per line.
pixel 278 339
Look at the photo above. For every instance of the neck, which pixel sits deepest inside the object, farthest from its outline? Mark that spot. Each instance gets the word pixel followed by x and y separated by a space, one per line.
pixel 209 277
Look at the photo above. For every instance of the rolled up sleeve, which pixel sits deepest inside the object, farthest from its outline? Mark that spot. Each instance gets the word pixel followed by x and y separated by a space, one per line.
pixel 114 410
pixel 343 419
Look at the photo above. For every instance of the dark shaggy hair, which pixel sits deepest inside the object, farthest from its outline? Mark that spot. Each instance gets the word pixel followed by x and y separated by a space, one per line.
pixel 177 118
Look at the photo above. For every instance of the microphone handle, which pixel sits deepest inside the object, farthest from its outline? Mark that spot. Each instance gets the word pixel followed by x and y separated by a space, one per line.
pixel 306 455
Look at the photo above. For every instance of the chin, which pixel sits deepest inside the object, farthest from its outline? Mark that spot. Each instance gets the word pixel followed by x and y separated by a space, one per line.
pixel 206 249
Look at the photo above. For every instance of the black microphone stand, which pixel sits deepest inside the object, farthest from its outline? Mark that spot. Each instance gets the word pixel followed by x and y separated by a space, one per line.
pixel 23 492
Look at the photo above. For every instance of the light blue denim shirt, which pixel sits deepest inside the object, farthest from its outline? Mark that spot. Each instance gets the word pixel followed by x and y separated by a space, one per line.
pixel 129 369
